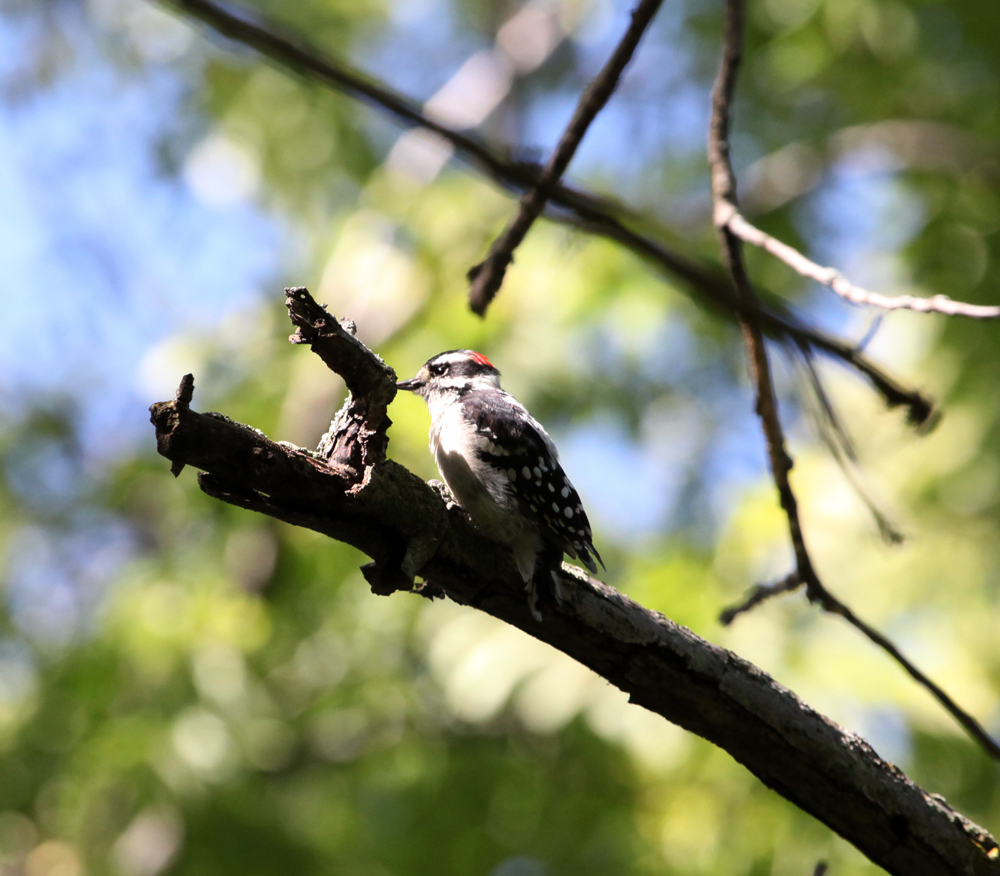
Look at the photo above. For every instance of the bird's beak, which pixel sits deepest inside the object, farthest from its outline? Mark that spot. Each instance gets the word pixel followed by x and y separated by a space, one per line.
pixel 414 384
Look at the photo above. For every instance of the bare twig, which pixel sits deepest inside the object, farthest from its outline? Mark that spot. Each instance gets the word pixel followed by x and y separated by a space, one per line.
pixel 836 281
pixel 724 200
pixel 758 594
pixel 724 206
pixel 581 209
pixel 488 275
pixel 830 603
pixel 308 61
pixel 761 592
pixel 716 291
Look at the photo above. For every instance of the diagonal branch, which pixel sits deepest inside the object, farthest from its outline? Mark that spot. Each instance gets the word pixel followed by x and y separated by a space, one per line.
pixel 805 757
pixel 836 281
pixel 580 209
pixel 761 592
pixel 584 210
pixel 487 276
pixel 724 202
pixel 971 725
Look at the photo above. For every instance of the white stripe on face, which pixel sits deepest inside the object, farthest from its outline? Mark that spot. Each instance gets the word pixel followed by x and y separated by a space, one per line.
pixel 450 358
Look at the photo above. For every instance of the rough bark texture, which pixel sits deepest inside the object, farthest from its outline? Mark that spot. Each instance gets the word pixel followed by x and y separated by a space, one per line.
pixel 404 525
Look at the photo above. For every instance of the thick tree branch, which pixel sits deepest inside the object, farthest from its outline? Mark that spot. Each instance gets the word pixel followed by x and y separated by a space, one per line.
pixel 487 276
pixel 580 209
pixel 724 201
pixel 404 525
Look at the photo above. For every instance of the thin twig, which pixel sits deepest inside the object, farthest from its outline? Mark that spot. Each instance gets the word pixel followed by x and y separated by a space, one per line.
pixel 487 276
pixel 828 602
pixel 308 61
pixel 836 281
pixel 724 200
pixel 976 730
pixel 758 594
pixel 582 209
pixel 724 204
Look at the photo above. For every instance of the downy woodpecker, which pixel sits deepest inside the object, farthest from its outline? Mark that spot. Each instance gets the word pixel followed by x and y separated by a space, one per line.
pixel 502 468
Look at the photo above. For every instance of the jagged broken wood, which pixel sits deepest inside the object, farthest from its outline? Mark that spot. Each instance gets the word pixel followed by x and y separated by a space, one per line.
pixel 406 528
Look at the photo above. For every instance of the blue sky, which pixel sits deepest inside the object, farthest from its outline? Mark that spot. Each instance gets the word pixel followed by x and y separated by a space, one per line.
pixel 106 254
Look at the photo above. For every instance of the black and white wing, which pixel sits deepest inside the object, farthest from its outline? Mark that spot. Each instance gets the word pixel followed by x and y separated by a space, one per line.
pixel 513 442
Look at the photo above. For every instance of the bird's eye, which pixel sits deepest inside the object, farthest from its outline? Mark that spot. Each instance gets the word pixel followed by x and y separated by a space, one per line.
pixel 438 368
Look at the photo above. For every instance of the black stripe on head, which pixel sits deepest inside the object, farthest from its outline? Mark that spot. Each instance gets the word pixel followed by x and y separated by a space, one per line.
pixel 460 363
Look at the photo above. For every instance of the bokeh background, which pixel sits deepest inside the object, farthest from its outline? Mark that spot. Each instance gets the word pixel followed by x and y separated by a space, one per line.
pixel 186 688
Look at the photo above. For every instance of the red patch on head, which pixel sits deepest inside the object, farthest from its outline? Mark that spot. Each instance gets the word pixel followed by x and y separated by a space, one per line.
pixel 481 359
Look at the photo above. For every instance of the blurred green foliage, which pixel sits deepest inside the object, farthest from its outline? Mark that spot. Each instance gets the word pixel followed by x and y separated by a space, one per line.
pixel 217 693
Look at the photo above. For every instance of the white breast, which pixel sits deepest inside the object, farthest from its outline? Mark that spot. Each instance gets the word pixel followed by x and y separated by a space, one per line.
pixel 479 488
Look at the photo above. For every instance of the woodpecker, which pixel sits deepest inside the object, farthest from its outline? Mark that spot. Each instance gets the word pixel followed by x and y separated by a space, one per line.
pixel 501 466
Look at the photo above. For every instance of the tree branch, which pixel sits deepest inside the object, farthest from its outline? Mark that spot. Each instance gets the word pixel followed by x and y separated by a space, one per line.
pixel 724 202
pixel 976 730
pixel 580 209
pixel 762 592
pixel 836 281
pixel 487 276
pixel 716 291
pixel 399 521
pixel 357 437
